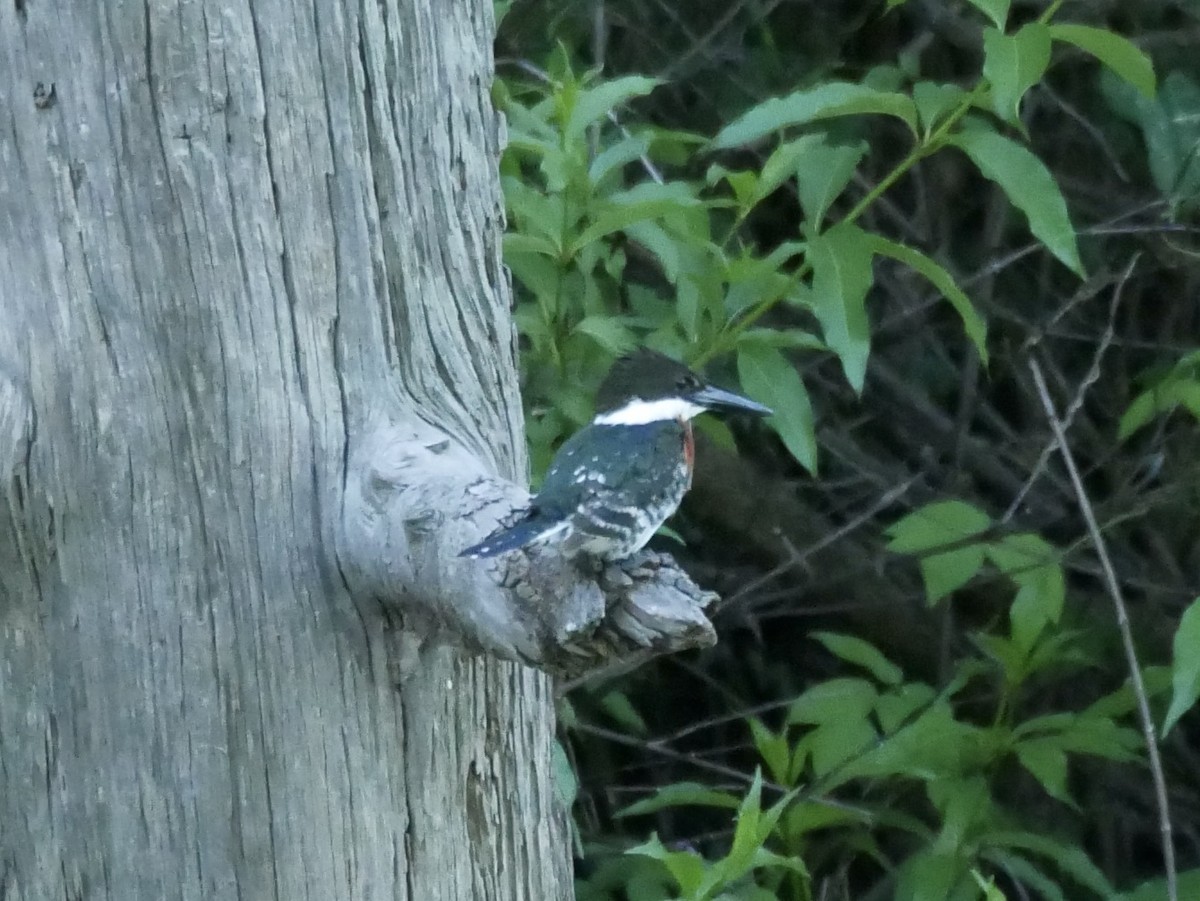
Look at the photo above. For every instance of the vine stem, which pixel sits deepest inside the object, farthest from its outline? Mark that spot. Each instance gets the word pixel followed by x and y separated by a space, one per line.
pixel 933 142
pixel 1131 658
pixel 930 144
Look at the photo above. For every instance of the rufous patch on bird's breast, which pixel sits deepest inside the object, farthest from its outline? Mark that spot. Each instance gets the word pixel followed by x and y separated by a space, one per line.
pixel 689 449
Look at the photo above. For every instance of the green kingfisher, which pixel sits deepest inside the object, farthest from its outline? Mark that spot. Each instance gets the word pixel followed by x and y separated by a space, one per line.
pixel 614 482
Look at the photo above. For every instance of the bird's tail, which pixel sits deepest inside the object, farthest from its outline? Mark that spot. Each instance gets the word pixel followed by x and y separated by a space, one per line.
pixel 536 526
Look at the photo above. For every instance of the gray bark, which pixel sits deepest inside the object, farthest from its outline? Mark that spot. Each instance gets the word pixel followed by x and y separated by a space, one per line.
pixel 249 255
pixel 230 235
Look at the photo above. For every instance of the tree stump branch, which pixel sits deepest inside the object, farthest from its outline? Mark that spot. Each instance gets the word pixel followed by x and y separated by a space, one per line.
pixel 414 497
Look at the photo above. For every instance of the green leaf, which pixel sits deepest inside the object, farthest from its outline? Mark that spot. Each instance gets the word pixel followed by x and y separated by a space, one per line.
pixel 825 101
pixel 929 875
pixel 1029 186
pixel 1156 889
pixel 1033 564
pixel 596 102
pixel 680 794
pixel 608 332
pixel 996 10
pixel 746 836
pixel 934 100
pixel 783 339
pixel 773 748
pixel 973 323
pixel 1122 56
pixel 1047 763
pixel 1024 871
pixel 1071 860
pixel 833 700
pixel 566 785
pixel 841 262
pixel 1083 733
pixel 754 280
pixel 641 203
pixel 861 653
pixel 1170 124
pixel 767 376
pixel 687 868
pixel 1162 398
pixel 835 742
pixel 988 887
pixel 822 166
pixel 896 707
pixel 618 706
pixel 938 525
pixel 612 158
pixel 1185 683
pixel 1012 64
pixel 964 802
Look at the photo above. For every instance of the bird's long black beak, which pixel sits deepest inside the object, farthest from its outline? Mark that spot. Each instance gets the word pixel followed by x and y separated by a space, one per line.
pixel 713 398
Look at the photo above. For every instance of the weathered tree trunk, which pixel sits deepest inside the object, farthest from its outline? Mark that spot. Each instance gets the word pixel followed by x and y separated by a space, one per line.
pixel 236 241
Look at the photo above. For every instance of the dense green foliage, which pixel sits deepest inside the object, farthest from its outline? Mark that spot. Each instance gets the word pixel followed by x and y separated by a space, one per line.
pixel 950 715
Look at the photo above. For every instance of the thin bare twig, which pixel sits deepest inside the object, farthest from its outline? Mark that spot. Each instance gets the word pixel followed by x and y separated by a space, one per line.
pixel 1090 379
pixel 798 557
pixel 1131 658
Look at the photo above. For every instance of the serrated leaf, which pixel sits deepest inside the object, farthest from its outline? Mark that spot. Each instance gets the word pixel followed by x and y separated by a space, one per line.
pixel 596 102
pixel 933 100
pixel 996 10
pixel 1013 63
pixel 823 167
pixel 626 208
pixel 680 794
pixel 1047 763
pixel 973 323
pixel 938 525
pixel 935 525
pixel 841 263
pixel 1122 56
pixel 825 101
pixel 767 376
pixel 861 653
pixel 1185 666
pixel 1029 187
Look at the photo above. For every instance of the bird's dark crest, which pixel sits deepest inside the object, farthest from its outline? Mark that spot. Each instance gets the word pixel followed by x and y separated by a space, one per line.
pixel 644 370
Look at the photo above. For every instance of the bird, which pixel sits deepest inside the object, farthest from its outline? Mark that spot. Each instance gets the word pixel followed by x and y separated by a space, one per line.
pixel 616 481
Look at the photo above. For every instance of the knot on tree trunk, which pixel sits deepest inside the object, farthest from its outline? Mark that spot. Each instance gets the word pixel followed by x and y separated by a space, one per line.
pixel 414 498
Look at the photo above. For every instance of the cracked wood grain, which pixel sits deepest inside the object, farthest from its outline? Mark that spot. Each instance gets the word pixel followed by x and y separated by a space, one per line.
pixel 239 235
